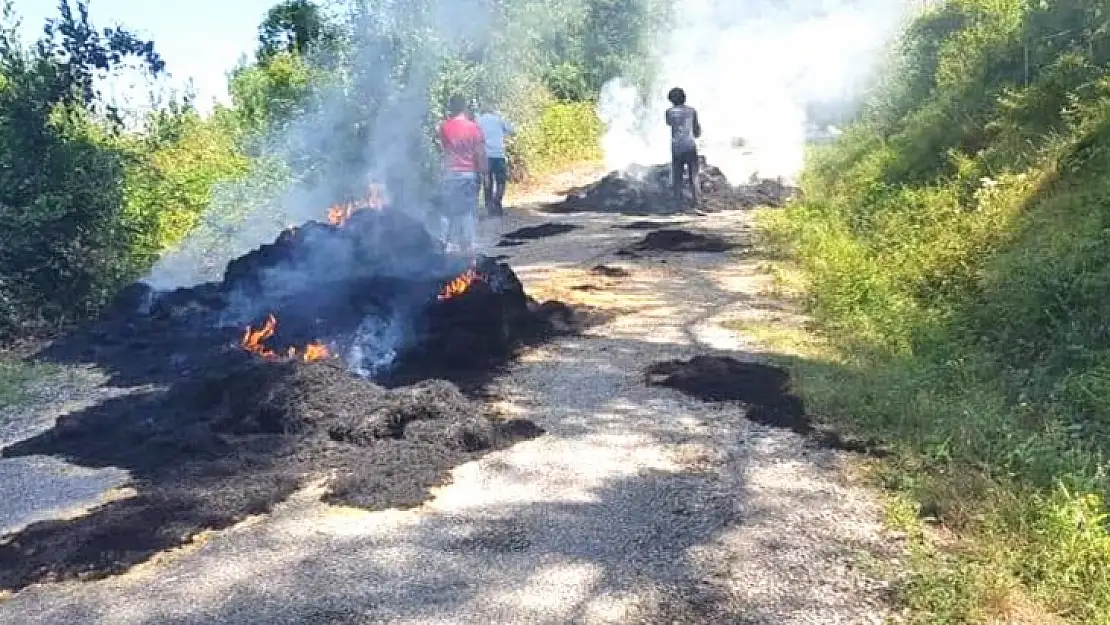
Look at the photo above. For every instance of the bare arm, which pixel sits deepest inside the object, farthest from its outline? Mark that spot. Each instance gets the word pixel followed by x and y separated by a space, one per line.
pixel 697 126
pixel 480 154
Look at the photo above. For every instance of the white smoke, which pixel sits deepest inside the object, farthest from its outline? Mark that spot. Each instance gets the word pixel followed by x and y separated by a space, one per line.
pixel 363 123
pixel 394 55
pixel 750 68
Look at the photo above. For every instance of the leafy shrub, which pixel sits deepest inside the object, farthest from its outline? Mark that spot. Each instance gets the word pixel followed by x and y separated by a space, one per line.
pixel 564 133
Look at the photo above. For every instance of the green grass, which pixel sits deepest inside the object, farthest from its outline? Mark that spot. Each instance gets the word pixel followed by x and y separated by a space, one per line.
pixel 984 545
pixel 16 377
pixel 955 251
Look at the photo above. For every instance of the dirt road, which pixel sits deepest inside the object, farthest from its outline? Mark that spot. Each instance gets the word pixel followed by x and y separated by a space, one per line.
pixel 639 505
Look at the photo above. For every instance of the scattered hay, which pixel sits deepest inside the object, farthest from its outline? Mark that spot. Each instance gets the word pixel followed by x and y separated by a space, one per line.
pixel 647 191
pixel 541 231
pixel 681 241
pixel 212 451
pixel 764 389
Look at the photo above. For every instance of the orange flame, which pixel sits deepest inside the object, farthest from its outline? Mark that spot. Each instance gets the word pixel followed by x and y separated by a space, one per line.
pixel 460 284
pixel 254 341
pixel 339 214
pixel 315 351
pixel 373 199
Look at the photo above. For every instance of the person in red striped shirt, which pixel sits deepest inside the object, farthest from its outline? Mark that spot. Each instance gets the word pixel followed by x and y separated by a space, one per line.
pixel 464 162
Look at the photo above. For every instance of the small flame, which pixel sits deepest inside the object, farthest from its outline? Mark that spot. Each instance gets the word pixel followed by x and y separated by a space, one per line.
pixel 373 199
pixel 460 284
pixel 254 341
pixel 339 214
pixel 314 352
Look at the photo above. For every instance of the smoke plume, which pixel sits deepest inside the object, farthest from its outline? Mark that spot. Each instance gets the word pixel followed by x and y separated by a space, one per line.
pixel 370 102
pixel 752 69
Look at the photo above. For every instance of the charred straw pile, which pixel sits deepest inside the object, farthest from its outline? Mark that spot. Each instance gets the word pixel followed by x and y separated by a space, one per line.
pixel 311 360
pixel 644 190
pixel 375 293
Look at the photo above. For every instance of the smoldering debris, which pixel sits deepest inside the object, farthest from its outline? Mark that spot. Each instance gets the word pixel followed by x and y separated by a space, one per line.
pixel 233 442
pixel 763 389
pixel 720 378
pixel 371 289
pixel 541 231
pixel 681 241
pixel 647 225
pixel 337 352
pixel 642 190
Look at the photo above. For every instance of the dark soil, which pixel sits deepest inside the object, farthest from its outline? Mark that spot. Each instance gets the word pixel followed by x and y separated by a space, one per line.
pixel 763 389
pixel 609 272
pixel 647 191
pixel 541 231
pixel 681 241
pixel 212 450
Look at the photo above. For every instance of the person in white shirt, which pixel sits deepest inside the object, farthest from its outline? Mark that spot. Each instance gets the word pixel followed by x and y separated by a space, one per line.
pixel 494 128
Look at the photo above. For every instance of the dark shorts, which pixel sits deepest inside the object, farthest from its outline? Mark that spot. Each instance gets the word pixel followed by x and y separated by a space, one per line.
pixel 685 158
pixel 498 169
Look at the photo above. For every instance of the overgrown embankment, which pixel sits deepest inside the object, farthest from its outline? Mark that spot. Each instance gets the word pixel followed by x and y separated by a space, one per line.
pixel 956 249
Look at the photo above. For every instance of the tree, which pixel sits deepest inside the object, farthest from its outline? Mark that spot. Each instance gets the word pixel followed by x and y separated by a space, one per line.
pixel 63 239
pixel 79 55
pixel 294 26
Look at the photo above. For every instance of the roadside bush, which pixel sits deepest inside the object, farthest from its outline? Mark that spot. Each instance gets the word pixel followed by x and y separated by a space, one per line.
pixel 955 245
pixel 564 133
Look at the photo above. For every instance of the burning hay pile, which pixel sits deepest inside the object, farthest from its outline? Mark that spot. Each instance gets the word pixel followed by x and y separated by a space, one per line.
pixel 322 356
pixel 374 292
pixel 644 190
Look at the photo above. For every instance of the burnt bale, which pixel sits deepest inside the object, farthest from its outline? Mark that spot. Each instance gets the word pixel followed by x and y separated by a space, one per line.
pixel 246 272
pixel 647 190
pixel 370 243
pixel 185 303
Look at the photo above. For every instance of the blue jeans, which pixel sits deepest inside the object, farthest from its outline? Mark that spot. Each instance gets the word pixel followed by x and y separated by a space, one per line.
pixel 460 204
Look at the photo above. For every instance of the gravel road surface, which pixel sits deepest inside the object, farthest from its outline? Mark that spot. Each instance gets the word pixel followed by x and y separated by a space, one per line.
pixel 640 505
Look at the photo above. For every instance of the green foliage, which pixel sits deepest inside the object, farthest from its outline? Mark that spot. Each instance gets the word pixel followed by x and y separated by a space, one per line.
pixel 268 96
pixel 564 133
pixel 295 27
pixel 955 241
pixel 64 240
pixel 16 376
pixel 88 204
